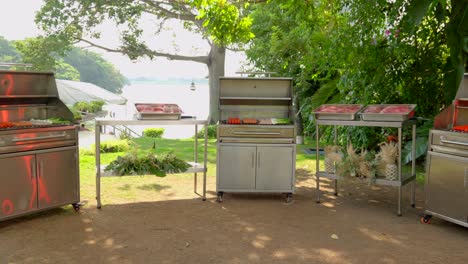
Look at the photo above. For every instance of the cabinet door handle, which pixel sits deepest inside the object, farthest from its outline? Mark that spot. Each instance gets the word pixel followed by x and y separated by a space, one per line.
pixel 32 163
pixel 465 182
pixel 41 165
pixel 258 161
pixel 253 163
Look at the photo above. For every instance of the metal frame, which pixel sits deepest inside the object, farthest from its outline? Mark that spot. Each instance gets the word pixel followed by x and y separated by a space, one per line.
pixel 402 180
pixel 195 167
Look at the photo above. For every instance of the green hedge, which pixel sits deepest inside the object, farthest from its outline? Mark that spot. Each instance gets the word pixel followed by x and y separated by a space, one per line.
pixel 113 146
pixel 153 132
pixel 89 107
pixel 212 131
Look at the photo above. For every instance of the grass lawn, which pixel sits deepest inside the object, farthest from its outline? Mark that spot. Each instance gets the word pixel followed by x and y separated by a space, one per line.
pixel 150 187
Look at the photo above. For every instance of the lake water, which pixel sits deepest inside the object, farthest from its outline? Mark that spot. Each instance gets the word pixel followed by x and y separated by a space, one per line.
pixel 193 103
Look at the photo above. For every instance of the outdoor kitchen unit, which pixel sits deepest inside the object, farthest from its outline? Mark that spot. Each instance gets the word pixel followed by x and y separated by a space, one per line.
pixel 38 146
pixel 446 185
pixel 256 150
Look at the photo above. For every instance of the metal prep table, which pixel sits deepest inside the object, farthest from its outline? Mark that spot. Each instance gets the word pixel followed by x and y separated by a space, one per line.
pixel 402 179
pixel 196 168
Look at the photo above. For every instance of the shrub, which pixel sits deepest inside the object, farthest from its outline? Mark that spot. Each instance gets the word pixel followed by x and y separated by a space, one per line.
pixel 125 134
pixel 211 132
pixel 113 146
pixel 153 132
pixel 91 107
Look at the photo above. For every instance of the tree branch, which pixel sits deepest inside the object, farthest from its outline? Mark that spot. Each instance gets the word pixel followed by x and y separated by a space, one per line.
pixel 151 53
pixel 159 9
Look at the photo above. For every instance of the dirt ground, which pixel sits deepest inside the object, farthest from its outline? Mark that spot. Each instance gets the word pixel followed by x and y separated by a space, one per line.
pixel 358 226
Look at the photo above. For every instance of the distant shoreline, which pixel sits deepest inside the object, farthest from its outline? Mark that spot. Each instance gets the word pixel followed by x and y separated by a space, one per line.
pixel 168 81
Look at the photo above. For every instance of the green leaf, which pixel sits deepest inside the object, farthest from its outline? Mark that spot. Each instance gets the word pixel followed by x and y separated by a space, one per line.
pixel 421 149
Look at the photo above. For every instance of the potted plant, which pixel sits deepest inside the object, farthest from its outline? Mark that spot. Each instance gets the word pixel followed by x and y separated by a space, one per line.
pixel 350 163
pixel 388 160
pixel 333 156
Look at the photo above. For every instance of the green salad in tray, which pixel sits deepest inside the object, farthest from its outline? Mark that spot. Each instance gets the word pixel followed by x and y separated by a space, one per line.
pixel 281 121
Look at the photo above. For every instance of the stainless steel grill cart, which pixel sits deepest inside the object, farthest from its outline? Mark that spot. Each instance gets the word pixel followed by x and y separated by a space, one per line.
pixel 446 184
pixel 402 178
pixel 256 149
pixel 196 167
pixel 38 157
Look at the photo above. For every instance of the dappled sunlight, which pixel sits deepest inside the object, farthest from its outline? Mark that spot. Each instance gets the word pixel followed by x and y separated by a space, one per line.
pixel 261 241
pixel 279 254
pixel 327 204
pixel 378 236
pixel 331 256
pixel 253 257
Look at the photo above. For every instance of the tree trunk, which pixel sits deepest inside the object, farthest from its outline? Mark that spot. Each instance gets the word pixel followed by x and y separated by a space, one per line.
pixel 216 61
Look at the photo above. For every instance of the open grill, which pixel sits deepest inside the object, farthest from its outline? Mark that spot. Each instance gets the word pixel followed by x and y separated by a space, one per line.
pixel 28 103
pixel 256 110
pixel 38 156
pixel 447 162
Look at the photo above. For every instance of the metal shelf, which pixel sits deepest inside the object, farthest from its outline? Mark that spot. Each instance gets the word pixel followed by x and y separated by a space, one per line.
pixel 396 183
pixel 402 179
pixel 195 166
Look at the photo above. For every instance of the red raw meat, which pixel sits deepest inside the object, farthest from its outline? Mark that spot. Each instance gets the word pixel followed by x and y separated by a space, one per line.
pixel 396 109
pixel 338 109
pixel 373 109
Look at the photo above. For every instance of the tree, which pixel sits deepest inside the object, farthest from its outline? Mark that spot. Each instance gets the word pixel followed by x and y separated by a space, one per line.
pixel 8 53
pixel 220 22
pixel 364 52
pixel 297 39
pixel 70 63
pixel 94 69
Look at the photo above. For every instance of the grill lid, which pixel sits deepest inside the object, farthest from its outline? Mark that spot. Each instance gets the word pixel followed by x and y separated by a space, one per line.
pixel 30 95
pixel 457 113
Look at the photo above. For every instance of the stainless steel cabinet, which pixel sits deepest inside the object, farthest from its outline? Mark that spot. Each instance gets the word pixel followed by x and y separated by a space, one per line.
pixel 274 168
pixel 42 179
pixel 447 186
pixel 62 182
pixel 237 167
pixel 255 168
pixel 18 190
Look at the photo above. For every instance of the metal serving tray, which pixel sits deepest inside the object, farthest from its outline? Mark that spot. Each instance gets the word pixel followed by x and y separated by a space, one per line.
pixel 319 114
pixel 396 117
pixel 163 112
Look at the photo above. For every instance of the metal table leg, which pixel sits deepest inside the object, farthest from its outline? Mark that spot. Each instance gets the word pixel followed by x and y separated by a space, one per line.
pixel 205 157
pixel 98 163
pixel 335 140
pixel 195 159
pixel 317 162
pixel 400 194
pixel 413 166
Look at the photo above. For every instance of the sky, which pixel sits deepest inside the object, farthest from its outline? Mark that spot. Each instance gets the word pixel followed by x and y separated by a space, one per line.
pixel 17 23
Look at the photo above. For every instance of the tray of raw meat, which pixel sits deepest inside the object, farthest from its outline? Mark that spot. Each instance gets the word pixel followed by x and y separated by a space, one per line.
pixel 388 112
pixel 158 111
pixel 337 111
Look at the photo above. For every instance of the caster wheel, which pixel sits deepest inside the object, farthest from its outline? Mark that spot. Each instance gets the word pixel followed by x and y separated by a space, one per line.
pixel 219 199
pixel 289 198
pixel 426 219
pixel 76 207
